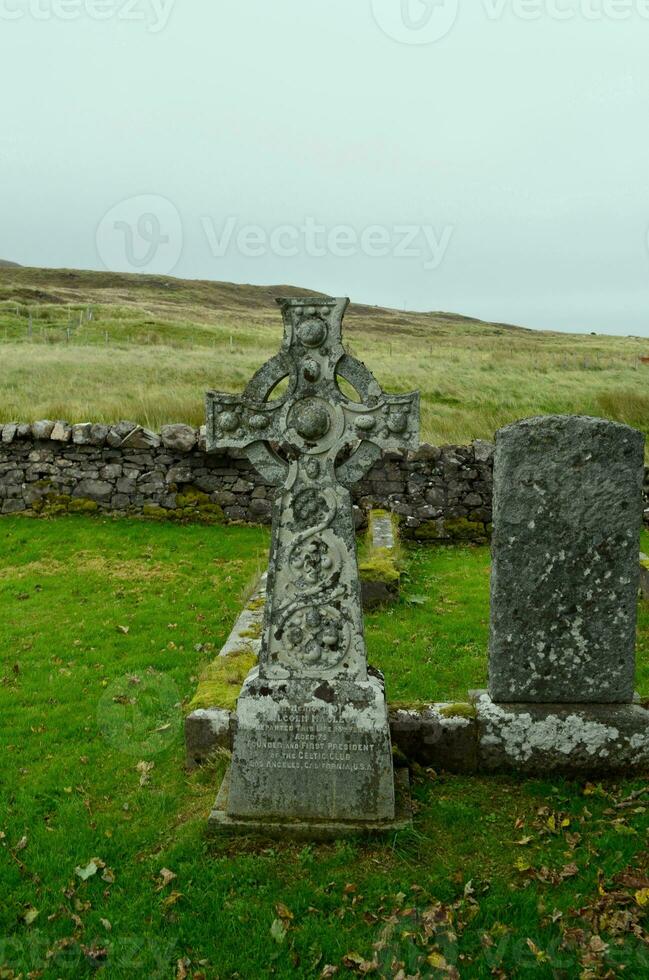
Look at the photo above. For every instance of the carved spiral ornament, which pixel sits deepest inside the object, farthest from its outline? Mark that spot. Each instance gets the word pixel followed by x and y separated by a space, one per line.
pixel 316 638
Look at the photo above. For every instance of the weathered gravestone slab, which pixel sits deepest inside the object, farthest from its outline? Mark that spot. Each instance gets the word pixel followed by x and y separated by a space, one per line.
pixel 312 743
pixel 567 519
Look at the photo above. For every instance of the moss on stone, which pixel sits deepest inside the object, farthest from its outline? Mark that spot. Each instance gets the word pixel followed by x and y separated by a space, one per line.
pixel 52 504
pixel 459 710
pixel 256 604
pixel 194 504
pixel 430 531
pixel 380 566
pixel 154 511
pixel 221 681
pixel 463 529
pixel 453 530
pixel 252 633
pixel 415 705
pixel 244 650
pixel 82 505
pixel 192 497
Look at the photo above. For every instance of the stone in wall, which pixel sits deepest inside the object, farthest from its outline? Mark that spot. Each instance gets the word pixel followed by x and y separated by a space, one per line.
pixel 441 494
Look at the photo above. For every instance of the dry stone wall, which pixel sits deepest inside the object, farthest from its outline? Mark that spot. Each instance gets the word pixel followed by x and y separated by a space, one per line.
pixel 50 467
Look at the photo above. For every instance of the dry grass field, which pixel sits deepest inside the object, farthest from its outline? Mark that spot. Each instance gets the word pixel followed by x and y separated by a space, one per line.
pixel 92 346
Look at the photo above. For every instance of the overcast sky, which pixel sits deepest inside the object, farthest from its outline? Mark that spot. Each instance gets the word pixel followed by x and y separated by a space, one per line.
pixel 487 157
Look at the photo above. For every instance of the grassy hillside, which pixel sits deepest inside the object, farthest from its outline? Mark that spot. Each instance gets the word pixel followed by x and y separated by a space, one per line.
pixel 103 346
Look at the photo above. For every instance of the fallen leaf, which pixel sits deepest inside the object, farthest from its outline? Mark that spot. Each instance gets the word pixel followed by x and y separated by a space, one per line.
pixel 106 924
pixel 123 629
pixel 569 871
pixel 182 967
pixel 632 880
pixel 437 961
pixel 597 945
pixel 166 875
pixel 540 955
pixel 282 911
pixel 30 914
pixel 642 897
pixel 21 845
pixel 328 971
pixel 622 828
pixel 95 953
pixel 84 873
pixel 172 899
pixel 278 930
pixel 144 768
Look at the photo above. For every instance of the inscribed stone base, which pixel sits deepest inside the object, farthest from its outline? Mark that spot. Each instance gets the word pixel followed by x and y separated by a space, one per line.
pixel 570 739
pixel 314 750
pixel 320 830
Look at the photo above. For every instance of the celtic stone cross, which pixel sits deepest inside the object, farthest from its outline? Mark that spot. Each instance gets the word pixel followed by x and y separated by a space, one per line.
pixel 313 442
pixel 313 624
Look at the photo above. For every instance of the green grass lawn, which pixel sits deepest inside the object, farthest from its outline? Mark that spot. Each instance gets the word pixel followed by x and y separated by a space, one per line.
pixel 104 626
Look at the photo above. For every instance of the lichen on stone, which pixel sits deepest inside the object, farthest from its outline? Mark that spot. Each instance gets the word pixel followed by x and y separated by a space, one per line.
pixel 522 737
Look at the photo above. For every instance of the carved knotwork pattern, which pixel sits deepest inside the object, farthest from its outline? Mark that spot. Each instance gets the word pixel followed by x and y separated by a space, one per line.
pixel 310 507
